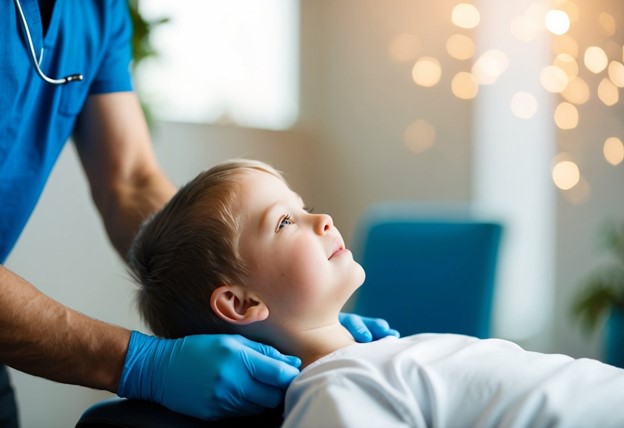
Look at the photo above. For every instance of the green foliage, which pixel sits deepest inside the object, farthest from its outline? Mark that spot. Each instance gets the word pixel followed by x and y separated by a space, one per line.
pixel 604 288
pixel 141 44
pixel 142 47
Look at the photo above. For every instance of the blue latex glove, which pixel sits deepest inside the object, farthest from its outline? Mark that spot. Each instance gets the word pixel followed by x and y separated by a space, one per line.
pixel 364 329
pixel 206 376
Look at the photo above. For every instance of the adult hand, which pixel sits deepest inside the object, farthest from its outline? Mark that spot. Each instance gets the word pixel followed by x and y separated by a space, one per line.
pixel 206 376
pixel 364 329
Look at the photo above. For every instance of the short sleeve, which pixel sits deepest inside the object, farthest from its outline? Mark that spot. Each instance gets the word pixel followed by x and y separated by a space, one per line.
pixel 114 72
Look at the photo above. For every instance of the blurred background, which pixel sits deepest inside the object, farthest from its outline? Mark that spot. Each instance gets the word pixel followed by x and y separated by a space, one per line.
pixel 510 108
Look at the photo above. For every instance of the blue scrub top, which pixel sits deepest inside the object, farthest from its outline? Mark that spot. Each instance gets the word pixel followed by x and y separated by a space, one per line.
pixel 91 37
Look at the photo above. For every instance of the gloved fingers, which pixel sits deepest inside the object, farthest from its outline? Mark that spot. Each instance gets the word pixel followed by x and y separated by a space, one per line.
pixel 365 329
pixel 269 351
pixel 379 328
pixel 268 370
pixel 263 396
pixel 355 325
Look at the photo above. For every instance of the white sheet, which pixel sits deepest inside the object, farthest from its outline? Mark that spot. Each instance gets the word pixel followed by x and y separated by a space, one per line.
pixel 436 380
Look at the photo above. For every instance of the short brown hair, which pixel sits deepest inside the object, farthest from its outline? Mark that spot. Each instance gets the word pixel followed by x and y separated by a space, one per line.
pixel 188 249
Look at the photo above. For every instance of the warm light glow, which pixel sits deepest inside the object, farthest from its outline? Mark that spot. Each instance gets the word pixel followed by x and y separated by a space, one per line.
pixel 565 44
pixel 577 91
pixel 524 28
pixel 566 116
pixel 566 174
pixel 404 47
pixel 567 63
pixel 553 79
pixel 557 22
pixel 427 71
pixel 523 105
pixel 616 73
pixel 613 150
pixel 464 86
pixel 488 68
pixel 608 92
pixel 570 8
pixel 419 136
pixel 595 59
pixel 465 15
pixel 607 24
pixel 460 46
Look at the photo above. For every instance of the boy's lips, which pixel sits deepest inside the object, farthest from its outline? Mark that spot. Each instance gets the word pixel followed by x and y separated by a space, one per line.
pixel 338 247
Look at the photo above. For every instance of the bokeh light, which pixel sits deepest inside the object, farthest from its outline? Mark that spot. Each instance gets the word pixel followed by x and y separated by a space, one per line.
pixel 613 150
pixel 427 71
pixel 465 15
pixel 464 86
pixel 489 67
pixel 567 63
pixel 553 79
pixel 566 116
pixel 595 59
pixel 419 136
pixel 565 174
pixel 404 47
pixel 570 8
pixel 460 46
pixel 608 92
pixel 607 24
pixel 523 105
pixel 557 22
pixel 616 73
pixel 576 92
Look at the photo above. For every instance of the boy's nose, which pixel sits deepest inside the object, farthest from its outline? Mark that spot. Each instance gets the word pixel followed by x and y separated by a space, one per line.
pixel 323 223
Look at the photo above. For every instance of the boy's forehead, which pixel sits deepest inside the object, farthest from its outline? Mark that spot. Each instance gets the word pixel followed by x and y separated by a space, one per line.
pixel 263 189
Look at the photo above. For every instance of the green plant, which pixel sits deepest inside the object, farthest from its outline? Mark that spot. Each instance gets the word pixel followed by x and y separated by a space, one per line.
pixel 604 287
pixel 142 47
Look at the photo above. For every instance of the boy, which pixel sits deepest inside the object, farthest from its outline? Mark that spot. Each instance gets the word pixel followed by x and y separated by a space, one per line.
pixel 236 251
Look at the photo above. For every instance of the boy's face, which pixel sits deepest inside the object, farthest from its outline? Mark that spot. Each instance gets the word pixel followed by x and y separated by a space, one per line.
pixel 297 261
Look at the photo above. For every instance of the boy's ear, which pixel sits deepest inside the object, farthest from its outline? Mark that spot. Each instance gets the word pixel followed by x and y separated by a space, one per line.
pixel 237 305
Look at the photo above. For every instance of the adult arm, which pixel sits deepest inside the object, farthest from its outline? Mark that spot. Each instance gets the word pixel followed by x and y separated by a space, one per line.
pixel 44 338
pixel 126 182
pixel 39 335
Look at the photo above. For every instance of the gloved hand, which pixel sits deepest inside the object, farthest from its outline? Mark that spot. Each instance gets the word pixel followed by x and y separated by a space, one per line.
pixel 206 376
pixel 364 329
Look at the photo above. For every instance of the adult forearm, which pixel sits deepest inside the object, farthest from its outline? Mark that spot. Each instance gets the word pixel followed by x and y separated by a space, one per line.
pixel 116 152
pixel 125 207
pixel 41 337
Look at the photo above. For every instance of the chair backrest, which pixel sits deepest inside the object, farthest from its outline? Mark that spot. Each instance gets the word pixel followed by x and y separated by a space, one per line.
pixel 431 271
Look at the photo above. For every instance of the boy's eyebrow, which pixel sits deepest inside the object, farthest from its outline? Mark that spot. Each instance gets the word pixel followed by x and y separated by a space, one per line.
pixel 267 216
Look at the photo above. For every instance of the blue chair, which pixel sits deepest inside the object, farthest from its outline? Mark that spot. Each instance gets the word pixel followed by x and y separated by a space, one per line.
pixel 427 270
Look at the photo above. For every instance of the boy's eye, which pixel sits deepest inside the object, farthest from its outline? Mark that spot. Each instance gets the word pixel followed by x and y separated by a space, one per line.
pixel 284 222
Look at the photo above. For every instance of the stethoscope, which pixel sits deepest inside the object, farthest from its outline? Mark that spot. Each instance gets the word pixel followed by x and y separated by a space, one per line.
pixel 68 79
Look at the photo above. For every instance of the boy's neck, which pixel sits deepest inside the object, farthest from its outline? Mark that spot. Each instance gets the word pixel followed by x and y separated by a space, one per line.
pixel 311 344
pixel 314 345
